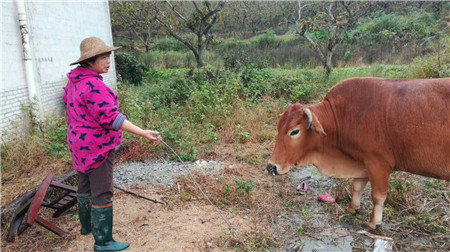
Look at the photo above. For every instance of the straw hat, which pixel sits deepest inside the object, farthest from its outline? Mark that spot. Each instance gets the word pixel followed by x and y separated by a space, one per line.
pixel 91 47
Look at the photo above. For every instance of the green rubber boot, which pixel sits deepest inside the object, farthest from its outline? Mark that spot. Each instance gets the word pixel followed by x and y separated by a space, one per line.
pixel 84 212
pixel 102 223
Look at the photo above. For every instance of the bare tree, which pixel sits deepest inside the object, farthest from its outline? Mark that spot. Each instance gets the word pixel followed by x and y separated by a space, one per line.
pixel 339 17
pixel 199 21
pixel 134 18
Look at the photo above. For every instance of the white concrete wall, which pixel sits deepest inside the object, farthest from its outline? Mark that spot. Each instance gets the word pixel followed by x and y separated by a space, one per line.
pixel 14 90
pixel 56 29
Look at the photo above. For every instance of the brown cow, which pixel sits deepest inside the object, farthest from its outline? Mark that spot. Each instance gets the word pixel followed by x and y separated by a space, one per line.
pixel 366 128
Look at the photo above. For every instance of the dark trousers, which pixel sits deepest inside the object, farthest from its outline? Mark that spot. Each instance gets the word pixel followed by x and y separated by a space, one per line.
pixel 99 182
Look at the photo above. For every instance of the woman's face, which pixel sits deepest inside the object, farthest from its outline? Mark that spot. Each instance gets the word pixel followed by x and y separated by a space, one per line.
pixel 101 63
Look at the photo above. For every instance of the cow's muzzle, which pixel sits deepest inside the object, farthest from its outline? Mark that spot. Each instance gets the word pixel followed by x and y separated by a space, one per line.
pixel 272 169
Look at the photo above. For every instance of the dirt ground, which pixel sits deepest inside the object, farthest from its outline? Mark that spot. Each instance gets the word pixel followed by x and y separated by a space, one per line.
pixel 274 216
pixel 145 225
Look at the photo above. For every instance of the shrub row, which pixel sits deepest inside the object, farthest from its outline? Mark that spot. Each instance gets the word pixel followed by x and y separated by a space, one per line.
pixel 192 107
pixel 195 108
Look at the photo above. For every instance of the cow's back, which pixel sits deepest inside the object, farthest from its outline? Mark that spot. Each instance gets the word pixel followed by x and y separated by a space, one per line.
pixel 407 121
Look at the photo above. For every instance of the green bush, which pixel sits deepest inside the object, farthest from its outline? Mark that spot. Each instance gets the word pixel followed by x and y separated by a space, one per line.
pixel 174 59
pixel 134 105
pixel 247 186
pixel 213 95
pixel 234 53
pixel 151 59
pixel 231 44
pixel 166 59
pixel 267 39
pixel 297 85
pixel 260 50
pixel 168 87
pixel 183 104
pixel 430 67
pixel 241 134
pixel 45 143
pixel 56 138
pixel 381 28
pixel 436 65
pixel 348 56
pixel 254 83
pixel 169 44
pixel 128 68
pixel 382 71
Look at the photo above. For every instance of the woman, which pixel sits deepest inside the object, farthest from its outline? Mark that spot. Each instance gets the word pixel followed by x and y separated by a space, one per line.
pixel 94 130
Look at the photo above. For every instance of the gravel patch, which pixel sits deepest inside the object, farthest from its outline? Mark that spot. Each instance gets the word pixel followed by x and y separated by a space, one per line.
pixel 164 173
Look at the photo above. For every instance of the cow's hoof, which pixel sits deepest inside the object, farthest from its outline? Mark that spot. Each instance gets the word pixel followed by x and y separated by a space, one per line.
pixel 368 226
pixel 351 210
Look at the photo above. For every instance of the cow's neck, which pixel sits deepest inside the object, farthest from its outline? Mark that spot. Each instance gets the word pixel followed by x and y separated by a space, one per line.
pixel 328 158
pixel 326 116
pixel 334 163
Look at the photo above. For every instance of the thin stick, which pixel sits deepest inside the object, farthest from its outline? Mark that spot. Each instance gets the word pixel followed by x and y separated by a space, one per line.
pixel 139 196
pixel 199 188
pixel 232 230
pixel 446 196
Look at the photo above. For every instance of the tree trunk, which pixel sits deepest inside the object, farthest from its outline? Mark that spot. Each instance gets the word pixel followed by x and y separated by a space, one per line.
pixel 199 58
pixel 329 61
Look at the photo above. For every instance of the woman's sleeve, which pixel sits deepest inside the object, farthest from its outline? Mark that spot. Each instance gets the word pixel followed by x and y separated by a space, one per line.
pixel 103 106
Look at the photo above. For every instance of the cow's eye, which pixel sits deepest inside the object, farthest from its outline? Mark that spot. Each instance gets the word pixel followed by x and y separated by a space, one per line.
pixel 294 132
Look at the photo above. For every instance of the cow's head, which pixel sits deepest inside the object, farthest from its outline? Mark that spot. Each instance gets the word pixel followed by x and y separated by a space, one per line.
pixel 299 133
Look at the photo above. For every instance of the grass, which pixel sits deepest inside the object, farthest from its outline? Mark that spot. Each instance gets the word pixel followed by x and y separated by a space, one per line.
pixel 27 159
pixel 411 210
pixel 367 43
pixel 231 126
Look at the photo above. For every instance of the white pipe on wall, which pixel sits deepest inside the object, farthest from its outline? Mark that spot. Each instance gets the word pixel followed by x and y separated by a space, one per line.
pixel 33 93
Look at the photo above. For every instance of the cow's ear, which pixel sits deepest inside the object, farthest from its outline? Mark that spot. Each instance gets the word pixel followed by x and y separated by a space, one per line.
pixel 317 127
pixel 314 122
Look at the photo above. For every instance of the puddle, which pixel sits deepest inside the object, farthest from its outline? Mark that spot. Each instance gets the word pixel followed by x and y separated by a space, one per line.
pixel 332 239
pixel 322 235
pixel 316 182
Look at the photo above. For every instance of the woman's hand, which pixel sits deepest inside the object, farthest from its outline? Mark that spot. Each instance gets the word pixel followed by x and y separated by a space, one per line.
pixel 152 135
pixel 149 134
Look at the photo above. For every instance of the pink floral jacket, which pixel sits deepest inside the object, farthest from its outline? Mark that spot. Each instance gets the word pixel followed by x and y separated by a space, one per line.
pixel 93 119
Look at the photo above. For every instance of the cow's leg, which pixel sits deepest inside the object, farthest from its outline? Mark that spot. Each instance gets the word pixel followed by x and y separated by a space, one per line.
pixel 379 180
pixel 358 186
